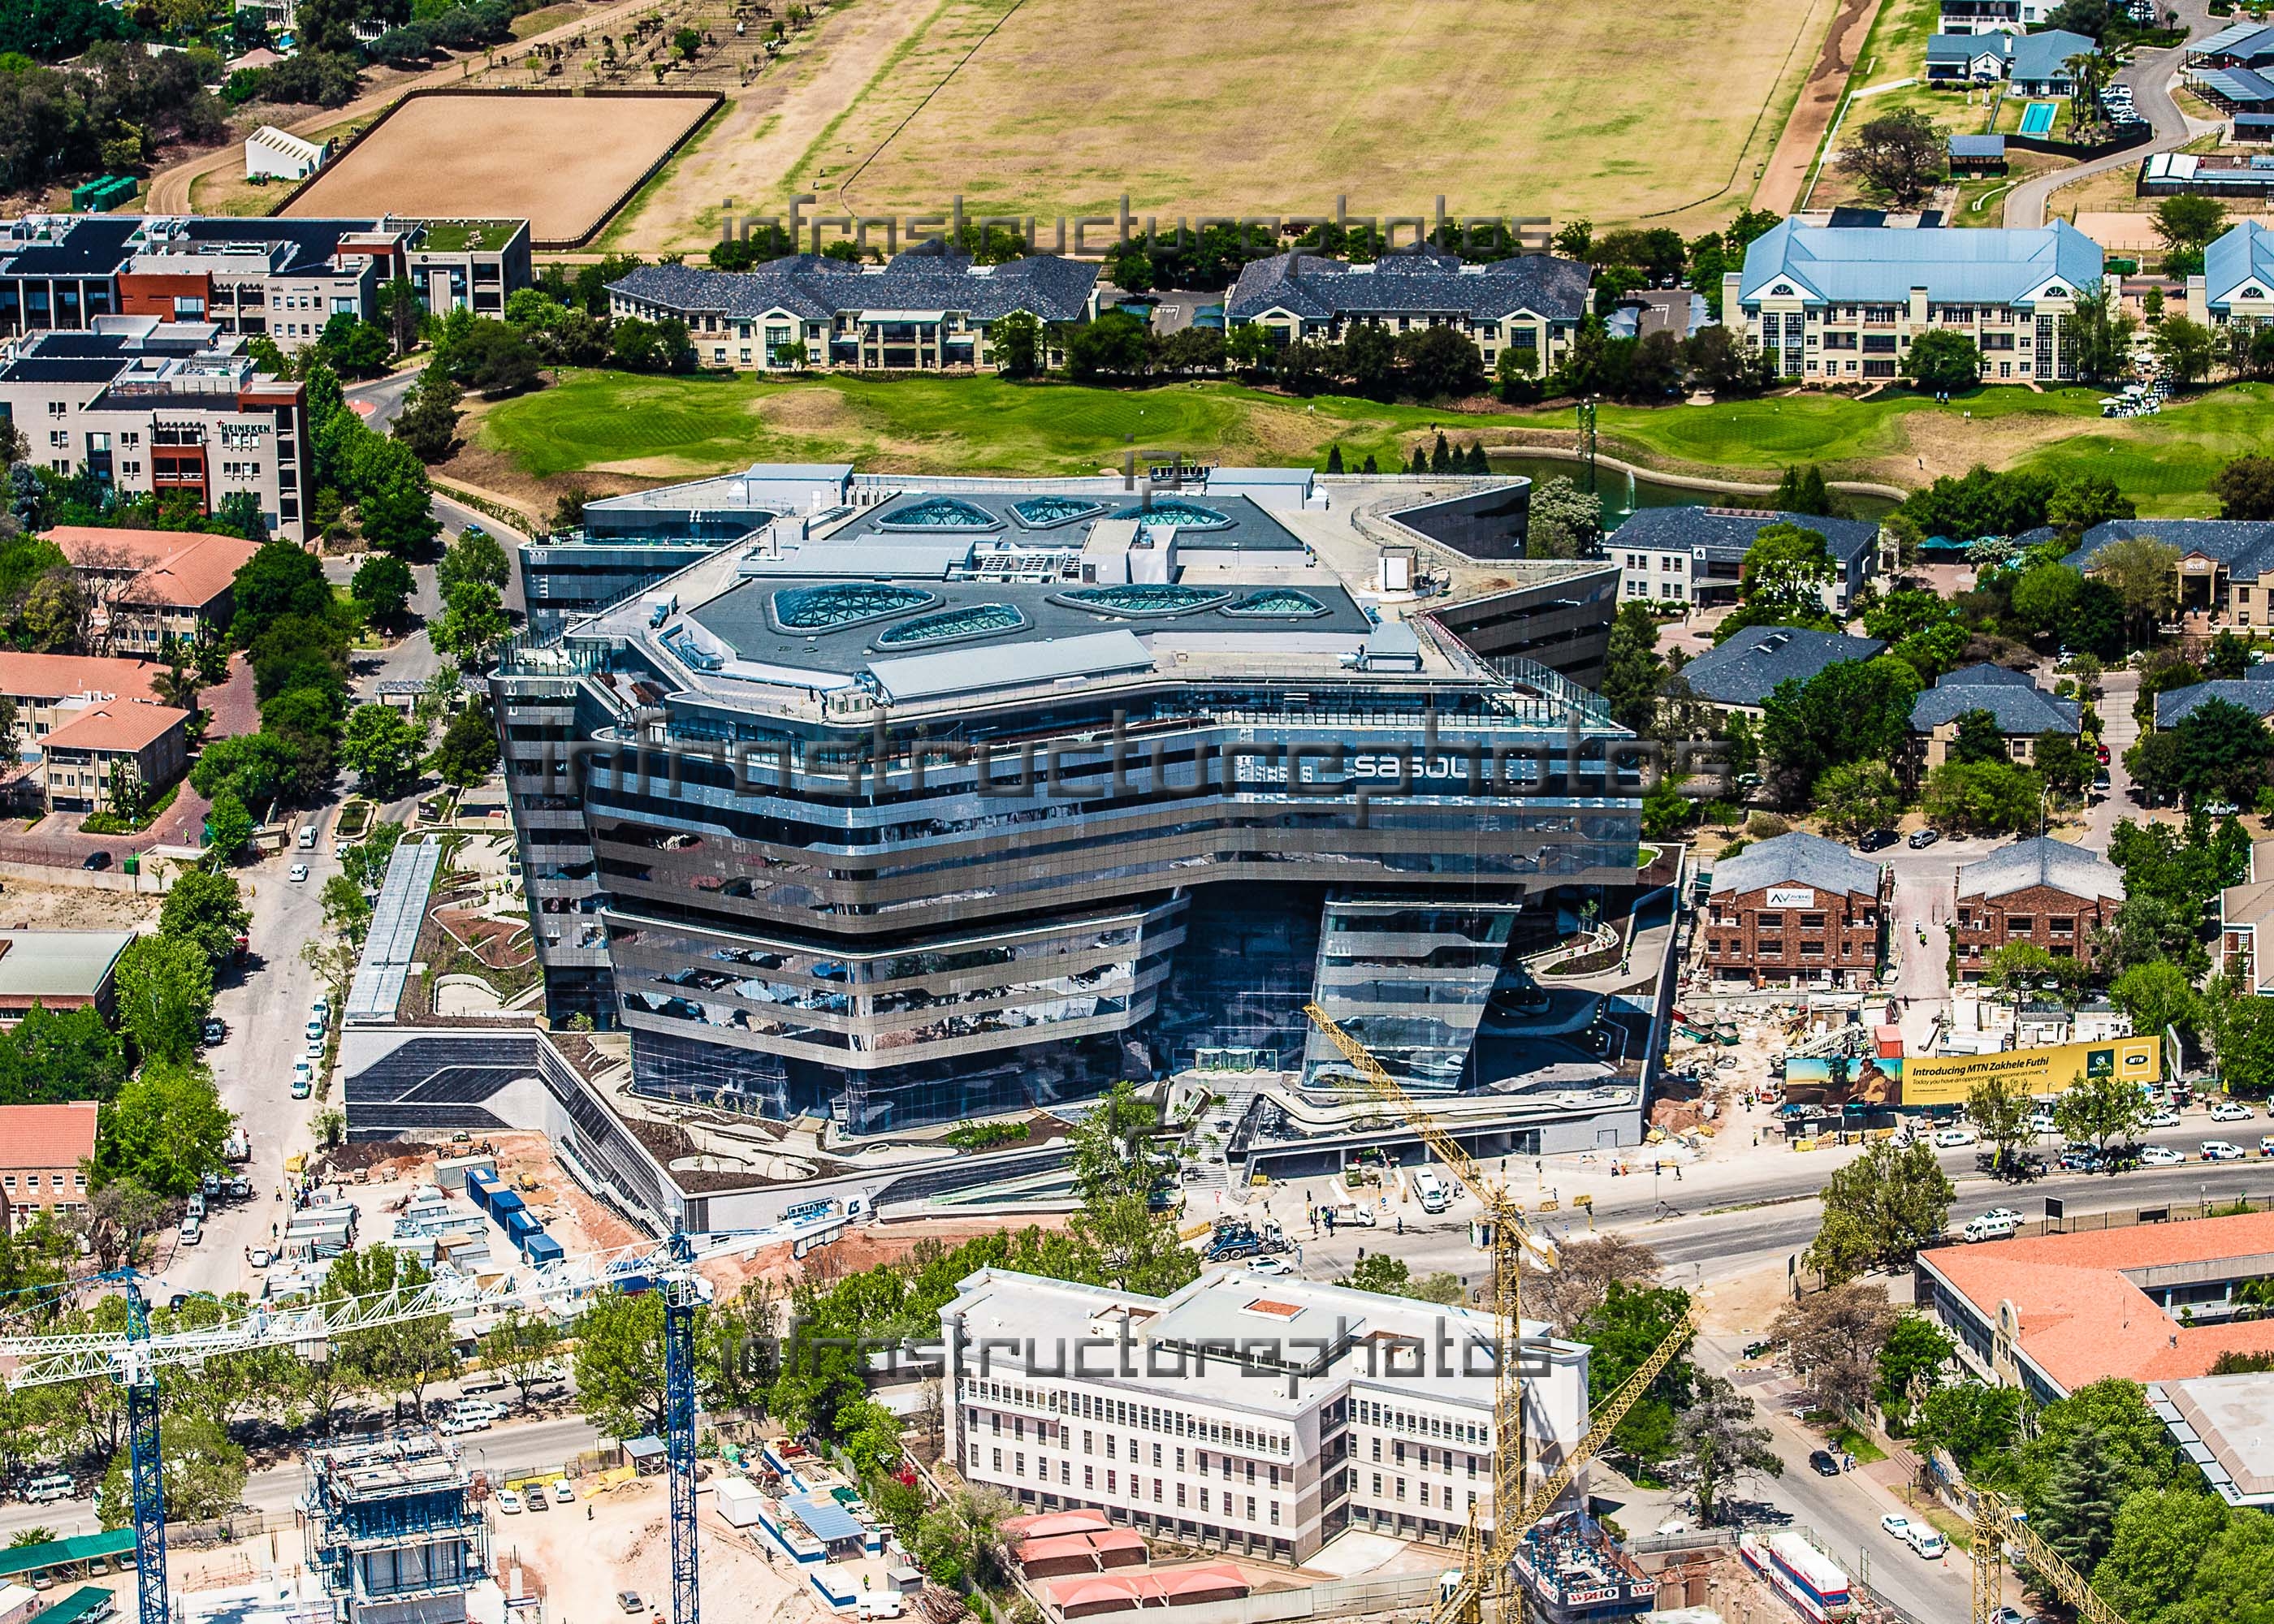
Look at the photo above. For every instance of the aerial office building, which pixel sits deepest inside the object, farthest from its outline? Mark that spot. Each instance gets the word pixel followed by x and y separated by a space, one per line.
pixel 946 802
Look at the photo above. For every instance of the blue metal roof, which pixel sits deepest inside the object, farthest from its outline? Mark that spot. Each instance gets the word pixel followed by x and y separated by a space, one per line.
pixel 1977 146
pixel 2241 85
pixel 1754 663
pixel 2242 257
pixel 1867 265
pixel 826 1520
pixel 2037 58
pixel 2245 41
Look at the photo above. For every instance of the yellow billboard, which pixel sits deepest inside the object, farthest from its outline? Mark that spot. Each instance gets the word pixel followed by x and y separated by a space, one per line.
pixel 1946 1080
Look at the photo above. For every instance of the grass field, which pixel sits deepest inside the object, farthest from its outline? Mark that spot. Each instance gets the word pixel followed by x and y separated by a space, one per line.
pixel 1211 107
pixel 636 428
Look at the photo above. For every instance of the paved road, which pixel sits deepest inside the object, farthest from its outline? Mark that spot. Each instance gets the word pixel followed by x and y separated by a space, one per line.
pixel 380 400
pixel 2149 75
pixel 501 1451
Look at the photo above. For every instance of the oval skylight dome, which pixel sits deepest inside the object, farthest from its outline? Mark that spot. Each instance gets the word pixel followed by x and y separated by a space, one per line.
pixel 844 603
pixel 968 621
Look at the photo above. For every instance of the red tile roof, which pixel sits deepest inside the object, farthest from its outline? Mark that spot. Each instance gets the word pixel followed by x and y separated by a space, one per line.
pixel 47 1136
pixel 123 725
pixel 2080 1319
pixel 189 568
pixel 51 676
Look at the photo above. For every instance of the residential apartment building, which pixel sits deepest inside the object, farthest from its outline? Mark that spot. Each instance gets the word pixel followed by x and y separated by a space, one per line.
pixel 2222 572
pixel 2246 924
pixel 282 278
pixel 2252 691
pixel 2043 893
pixel 2237 282
pixel 1377 1411
pixel 1530 304
pixel 2016 705
pixel 925 309
pixel 2037 64
pixel 44 1150
pixel 154 408
pixel 154 584
pixel 81 761
pixel 49 690
pixel 1844 303
pixel 1796 910
pixel 1989 16
pixel 1694 558
pixel 1738 677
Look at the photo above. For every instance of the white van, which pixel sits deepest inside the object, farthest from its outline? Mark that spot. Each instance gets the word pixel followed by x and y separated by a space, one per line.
pixel 192 1232
pixel 1430 1190
pixel 1993 1227
pixel 48 1487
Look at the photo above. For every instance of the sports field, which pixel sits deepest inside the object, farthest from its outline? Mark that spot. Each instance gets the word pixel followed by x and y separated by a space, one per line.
pixel 561 162
pixel 642 429
pixel 1659 114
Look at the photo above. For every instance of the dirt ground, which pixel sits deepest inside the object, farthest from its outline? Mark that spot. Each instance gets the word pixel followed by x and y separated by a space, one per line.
pixel 525 1161
pixel 27 905
pixel 558 161
pixel 1819 101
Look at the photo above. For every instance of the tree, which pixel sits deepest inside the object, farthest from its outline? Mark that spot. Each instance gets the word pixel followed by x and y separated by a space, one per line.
pixel 468 750
pixel 1857 797
pixel 1879 1210
pixel 1982 797
pixel 2159 1537
pixel 2157 996
pixel 2188 221
pixel 206 911
pixel 399 1358
pixel 1943 360
pixel 1851 710
pixel 1713 1434
pixel 352 347
pixel 1624 1331
pixel 1585 1271
pixel 254 767
pixel 2000 1114
pixel 2103 1110
pixel 428 422
pixel 473 622
pixel 346 911
pixel 166 1130
pixel 495 359
pixel 473 556
pixel 2244 488
pixel 1787 564
pixel 1115 344
pixel 1902 154
pixel 2062 761
pixel 1977 739
pixel 366 863
pixel 2185 347
pixel 619 1363
pixel 165 992
pixel 1563 521
pixel 2096 335
pixel 279 580
pixel 393 496
pixel 1833 1339
pixel 203 1470
pixel 1632 671
pixel 381 747
pixel 2075 1511
pixel 960 1541
pixel 1916 1350
pixel 382 589
pixel 228 827
pixel 520 1347
pixel 1971 1423
pixel 2241 1030
pixel 2139 1453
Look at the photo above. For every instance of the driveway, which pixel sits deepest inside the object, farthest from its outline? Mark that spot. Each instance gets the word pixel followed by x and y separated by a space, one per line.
pixel 2149 75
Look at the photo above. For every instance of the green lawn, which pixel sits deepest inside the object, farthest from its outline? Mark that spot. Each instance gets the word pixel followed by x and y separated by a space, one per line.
pixel 680 427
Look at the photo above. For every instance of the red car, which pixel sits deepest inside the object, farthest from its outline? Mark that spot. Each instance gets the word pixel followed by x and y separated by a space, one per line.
pixel 2102 752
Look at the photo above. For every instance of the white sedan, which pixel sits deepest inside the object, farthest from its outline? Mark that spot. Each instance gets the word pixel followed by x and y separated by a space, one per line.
pixel 508 1501
pixel 1897 1524
pixel 2161 1155
pixel 1280 1266
pixel 1951 1138
pixel 2220 1150
pixel 2164 1119
pixel 2230 1110
pixel 299 872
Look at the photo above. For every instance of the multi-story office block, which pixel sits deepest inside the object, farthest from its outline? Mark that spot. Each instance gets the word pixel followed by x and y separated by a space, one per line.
pixel 949 803
pixel 1264 1416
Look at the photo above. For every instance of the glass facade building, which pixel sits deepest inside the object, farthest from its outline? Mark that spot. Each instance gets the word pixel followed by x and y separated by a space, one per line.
pixel 942 844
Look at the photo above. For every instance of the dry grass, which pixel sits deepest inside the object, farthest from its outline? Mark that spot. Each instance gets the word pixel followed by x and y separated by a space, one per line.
pixel 558 161
pixel 1504 106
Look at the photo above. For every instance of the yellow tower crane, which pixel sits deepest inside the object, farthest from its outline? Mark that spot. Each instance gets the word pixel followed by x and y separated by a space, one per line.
pixel 1484 1564
pixel 1999 1523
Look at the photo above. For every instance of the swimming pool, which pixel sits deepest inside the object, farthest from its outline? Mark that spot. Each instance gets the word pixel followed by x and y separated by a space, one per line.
pixel 2038 117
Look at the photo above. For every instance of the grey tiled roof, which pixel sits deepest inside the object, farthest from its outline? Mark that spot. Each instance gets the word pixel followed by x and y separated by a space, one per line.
pixel 1422 283
pixel 2253 693
pixel 2245 546
pixel 2043 861
pixel 1748 668
pixel 1726 533
pixel 1798 859
pixel 2018 707
pixel 1048 286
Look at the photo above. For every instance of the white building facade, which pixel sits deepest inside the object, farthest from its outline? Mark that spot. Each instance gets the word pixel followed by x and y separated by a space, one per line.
pixel 1244 1413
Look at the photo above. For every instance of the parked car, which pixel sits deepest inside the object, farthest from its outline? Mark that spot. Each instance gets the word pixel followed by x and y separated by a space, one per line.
pixel 1952 1139
pixel 194 1229
pixel 1878 840
pixel 2080 1158
pixel 96 860
pixel 1991 1226
pixel 2165 1155
pixel 2230 1110
pixel 48 1487
pixel 2266 1144
pixel 1924 838
pixel 315 1031
pixel 562 1493
pixel 1269 1265
pixel 215 1030
pixel 1821 1462
pixel 508 1501
pixel 2221 1150
pixel 2164 1118
pixel 629 1601
pixel 301 1086
pixel 1926 1541
pixel 1897 1524
pixel 2042 1122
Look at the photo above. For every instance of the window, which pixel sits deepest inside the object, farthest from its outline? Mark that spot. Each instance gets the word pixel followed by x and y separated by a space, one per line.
pixel 1204 1498
pixel 999 1460
pixel 1377 1485
pixel 1251 1509
pixel 1089 1476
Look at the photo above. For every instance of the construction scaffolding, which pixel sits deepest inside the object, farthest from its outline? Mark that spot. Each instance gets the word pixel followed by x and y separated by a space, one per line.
pixel 394 1531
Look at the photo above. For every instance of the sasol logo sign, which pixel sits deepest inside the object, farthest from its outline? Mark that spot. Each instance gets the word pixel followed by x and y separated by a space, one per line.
pixel 1397 766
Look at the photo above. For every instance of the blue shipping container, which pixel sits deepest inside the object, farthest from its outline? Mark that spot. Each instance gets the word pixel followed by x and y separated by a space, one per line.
pixel 542 1248
pixel 520 1224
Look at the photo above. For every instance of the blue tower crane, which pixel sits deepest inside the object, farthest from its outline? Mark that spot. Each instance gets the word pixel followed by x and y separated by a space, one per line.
pixel 679 1300
pixel 139 1376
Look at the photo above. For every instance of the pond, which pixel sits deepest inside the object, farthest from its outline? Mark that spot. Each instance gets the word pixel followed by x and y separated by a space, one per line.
pixel 1623 493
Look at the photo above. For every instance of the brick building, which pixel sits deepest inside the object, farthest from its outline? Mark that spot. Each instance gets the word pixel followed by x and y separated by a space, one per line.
pixel 2045 892
pixel 1795 911
pixel 42 1150
pixel 154 584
